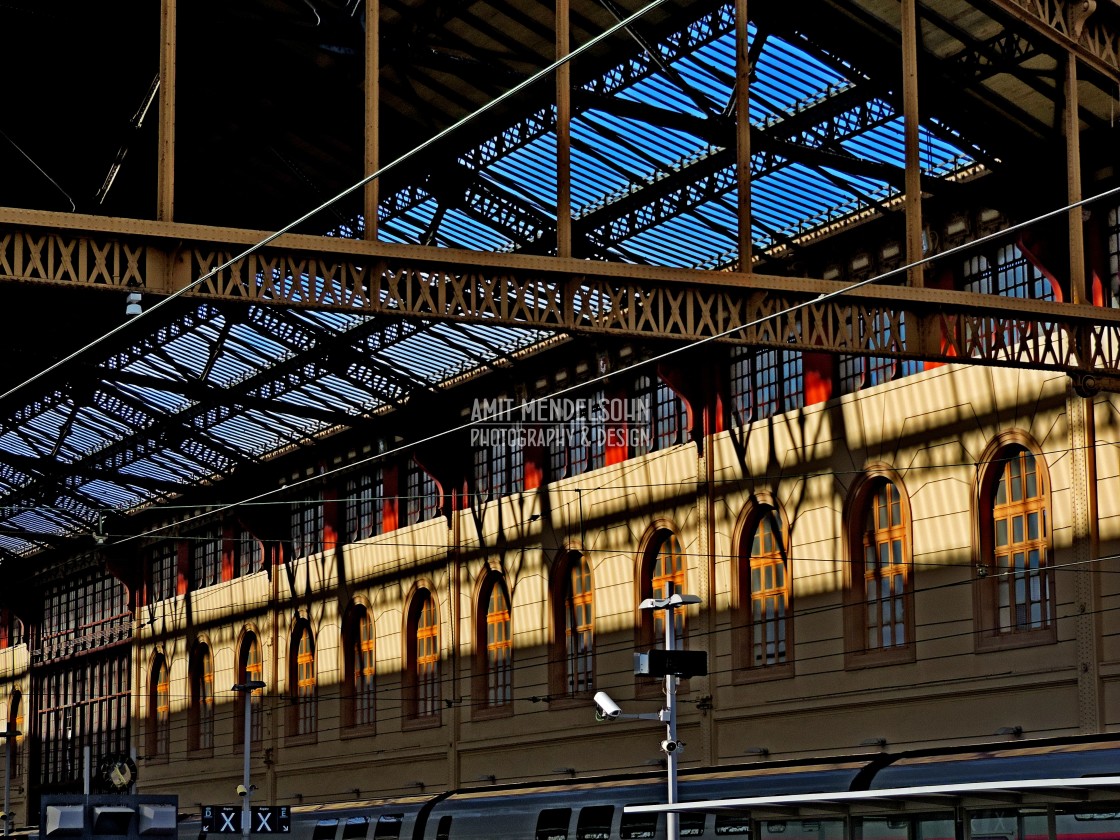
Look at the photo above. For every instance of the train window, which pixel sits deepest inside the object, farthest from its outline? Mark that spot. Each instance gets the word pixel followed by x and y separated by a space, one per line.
pixel 388 827
pixel 552 824
pixel 443 830
pixel 727 823
pixel 692 824
pixel 355 828
pixel 637 826
pixel 595 823
pixel 324 830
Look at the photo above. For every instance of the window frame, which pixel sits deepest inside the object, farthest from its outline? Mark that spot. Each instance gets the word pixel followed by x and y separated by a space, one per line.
pixel 159 709
pixel 662 404
pixel 206 558
pixel 163 571
pixel 249 667
pixel 656 583
pixel 364 505
pixel 15 722
pixel 489 680
pixel 200 736
pixel 861 501
pixel 989 635
pixel 423 687
pixel 303 716
pixel 360 663
pixel 422 495
pixel 759 509
pixel 782 378
pixel 308 522
pixel 573 618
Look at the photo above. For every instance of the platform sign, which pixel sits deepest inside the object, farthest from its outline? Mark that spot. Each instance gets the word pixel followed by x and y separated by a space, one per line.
pixel 270 819
pixel 221 819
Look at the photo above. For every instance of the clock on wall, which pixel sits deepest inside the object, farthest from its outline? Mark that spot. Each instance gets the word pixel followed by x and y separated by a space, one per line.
pixel 117 772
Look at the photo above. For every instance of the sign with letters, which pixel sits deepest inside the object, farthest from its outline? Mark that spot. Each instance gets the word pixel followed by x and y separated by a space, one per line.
pixel 270 819
pixel 221 819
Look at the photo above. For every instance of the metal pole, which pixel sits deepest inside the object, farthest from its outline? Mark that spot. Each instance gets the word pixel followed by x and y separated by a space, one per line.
pixel 248 694
pixel 7 783
pixel 672 819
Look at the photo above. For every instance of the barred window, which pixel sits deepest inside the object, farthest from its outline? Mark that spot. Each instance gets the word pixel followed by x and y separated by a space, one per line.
pixel 499 470
pixel 307 527
pixel 1005 271
pixel 364 505
pixel 206 560
pixel 84 613
pixel 84 701
pixel 250 554
pixel 164 567
pixel 423 499
pixel 667 423
pixel 578 444
pixel 1114 255
pixel 765 382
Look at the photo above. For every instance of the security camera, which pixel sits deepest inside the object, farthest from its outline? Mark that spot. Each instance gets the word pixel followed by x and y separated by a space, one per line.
pixel 242 790
pixel 670 747
pixel 605 707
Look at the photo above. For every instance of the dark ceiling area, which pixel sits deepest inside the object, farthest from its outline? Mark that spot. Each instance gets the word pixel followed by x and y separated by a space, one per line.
pixel 270 110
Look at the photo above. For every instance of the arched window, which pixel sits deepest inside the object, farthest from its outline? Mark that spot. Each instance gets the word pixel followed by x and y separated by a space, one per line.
pixel 301 679
pixel 1015 576
pixel 663 575
pixel 159 708
pixel 575 626
pixel 423 653
pixel 249 668
pixel 879 620
pixel 359 707
pixel 494 646
pixel 15 724
pixel 202 698
pixel 764 623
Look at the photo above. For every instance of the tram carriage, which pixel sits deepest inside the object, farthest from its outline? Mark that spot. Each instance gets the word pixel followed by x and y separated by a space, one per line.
pixel 1066 789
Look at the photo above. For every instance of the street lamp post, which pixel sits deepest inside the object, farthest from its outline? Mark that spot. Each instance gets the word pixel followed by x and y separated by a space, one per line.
pixel 8 734
pixel 670 746
pixel 247 688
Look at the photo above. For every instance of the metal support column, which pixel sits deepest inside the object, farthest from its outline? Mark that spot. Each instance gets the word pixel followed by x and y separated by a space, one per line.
pixel 1073 185
pixel 563 134
pixel 165 176
pixel 743 135
pixel 1083 504
pixel 370 192
pixel 910 24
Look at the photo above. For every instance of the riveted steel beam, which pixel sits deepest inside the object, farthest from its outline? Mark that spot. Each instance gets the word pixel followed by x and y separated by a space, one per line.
pixel 396 281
